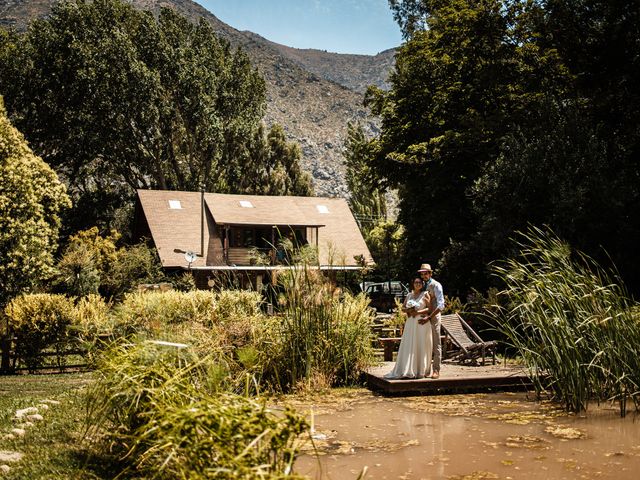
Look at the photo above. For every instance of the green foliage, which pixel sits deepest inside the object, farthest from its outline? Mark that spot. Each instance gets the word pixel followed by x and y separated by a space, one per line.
pixel 183 282
pixel 508 113
pixel 367 202
pixel 31 199
pixel 272 166
pixel 133 266
pixel 230 305
pixel 324 337
pixel 93 315
pixel 77 274
pixel 387 243
pixel 116 99
pixel 572 323
pixel 454 94
pixel 160 411
pixel 154 311
pixel 92 263
pixel 39 321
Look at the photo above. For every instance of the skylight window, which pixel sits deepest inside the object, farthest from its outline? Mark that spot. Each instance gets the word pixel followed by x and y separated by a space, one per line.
pixel 246 204
pixel 322 209
pixel 175 205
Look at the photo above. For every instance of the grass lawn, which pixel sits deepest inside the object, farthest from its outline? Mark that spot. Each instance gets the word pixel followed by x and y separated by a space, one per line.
pixel 52 448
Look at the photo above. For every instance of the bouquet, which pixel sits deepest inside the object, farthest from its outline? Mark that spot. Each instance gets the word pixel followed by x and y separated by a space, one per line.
pixel 413 304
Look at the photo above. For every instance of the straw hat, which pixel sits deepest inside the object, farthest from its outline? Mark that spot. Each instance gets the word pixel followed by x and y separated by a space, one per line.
pixel 425 267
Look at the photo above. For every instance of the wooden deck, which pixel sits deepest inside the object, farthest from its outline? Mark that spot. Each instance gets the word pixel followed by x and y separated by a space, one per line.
pixel 453 378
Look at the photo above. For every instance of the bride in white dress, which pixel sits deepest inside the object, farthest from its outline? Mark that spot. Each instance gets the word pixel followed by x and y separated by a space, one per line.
pixel 414 355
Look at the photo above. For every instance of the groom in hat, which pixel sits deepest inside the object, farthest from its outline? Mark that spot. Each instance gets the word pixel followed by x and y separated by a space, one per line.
pixel 437 306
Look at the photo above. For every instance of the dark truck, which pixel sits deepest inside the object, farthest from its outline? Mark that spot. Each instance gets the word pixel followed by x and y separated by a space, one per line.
pixel 383 296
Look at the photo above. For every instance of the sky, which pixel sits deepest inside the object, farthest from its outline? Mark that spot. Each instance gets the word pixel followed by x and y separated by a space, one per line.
pixel 343 26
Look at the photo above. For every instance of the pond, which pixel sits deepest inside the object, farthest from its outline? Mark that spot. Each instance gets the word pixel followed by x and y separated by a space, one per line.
pixel 475 436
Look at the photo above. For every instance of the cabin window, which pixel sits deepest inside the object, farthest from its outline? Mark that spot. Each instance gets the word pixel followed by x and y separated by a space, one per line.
pixel 322 208
pixel 261 237
pixel 175 205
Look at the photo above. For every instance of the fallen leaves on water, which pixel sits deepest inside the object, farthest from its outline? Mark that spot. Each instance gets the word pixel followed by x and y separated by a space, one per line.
pixel 328 402
pixel 453 405
pixel 526 417
pixel 564 432
pixel 479 475
pixel 325 443
pixel 522 412
pixel 527 441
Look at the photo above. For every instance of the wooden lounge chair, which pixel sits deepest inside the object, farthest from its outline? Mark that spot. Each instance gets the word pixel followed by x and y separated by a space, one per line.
pixel 468 345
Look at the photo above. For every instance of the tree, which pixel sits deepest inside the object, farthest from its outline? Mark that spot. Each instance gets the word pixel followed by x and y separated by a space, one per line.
pixel 367 201
pixel 384 238
pixel 115 99
pixel 272 166
pixel 505 113
pixel 457 89
pixel 31 199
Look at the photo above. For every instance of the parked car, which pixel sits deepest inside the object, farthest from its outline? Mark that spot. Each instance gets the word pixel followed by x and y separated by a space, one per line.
pixel 383 295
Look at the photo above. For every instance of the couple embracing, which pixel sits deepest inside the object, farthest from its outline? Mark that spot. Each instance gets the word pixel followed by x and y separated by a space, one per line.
pixel 421 337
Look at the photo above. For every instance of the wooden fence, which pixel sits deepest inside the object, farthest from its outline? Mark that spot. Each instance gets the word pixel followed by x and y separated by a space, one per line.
pixel 68 355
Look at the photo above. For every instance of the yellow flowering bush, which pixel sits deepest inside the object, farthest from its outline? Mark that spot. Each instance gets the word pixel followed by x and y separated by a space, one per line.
pixel 31 198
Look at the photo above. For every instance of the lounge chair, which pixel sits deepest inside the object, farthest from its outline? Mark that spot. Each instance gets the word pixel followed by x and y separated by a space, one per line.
pixel 468 346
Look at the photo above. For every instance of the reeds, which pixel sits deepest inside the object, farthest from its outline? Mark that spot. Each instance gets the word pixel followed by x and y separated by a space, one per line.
pixel 324 334
pixel 576 329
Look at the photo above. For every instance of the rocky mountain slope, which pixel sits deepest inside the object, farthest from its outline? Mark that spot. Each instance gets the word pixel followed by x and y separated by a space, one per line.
pixel 313 94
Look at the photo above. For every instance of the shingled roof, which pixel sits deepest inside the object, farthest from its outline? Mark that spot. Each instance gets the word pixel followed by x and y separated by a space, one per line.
pixel 173 219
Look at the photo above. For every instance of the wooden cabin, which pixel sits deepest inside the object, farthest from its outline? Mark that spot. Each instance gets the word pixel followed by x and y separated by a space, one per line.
pixel 244 233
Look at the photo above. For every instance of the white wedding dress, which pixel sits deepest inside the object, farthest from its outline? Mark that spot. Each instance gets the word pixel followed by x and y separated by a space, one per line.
pixel 414 355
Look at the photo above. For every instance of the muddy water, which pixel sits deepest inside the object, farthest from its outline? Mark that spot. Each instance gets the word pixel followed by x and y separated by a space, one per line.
pixel 507 436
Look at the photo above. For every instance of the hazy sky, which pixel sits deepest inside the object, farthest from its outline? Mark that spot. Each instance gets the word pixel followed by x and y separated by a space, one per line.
pixel 343 26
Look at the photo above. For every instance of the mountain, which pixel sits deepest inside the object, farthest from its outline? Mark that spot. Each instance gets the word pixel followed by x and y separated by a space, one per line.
pixel 313 94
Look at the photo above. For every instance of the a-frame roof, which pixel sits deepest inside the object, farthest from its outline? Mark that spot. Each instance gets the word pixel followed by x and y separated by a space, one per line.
pixel 174 221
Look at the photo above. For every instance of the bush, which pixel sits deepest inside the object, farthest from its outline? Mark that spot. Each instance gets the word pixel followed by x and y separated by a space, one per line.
pixel 151 312
pixel 133 266
pixel 159 407
pixel 232 304
pixel 94 320
pixel 39 321
pixel 323 335
pixel 77 274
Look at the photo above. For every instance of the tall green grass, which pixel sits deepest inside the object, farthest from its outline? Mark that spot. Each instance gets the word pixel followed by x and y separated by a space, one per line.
pixel 324 335
pixel 573 323
pixel 159 408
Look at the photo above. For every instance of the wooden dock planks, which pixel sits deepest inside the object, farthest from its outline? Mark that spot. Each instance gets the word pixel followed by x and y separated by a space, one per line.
pixel 453 378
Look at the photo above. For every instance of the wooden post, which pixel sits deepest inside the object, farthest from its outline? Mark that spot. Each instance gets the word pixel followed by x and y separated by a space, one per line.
pixel 5 344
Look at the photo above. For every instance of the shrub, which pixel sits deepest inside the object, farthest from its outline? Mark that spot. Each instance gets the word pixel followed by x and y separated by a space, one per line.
pixel 232 304
pixel 39 321
pixel 77 274
pixel 322 334
pixel 158 407
pixel 94 320
pixel 152 311
pixel 132 266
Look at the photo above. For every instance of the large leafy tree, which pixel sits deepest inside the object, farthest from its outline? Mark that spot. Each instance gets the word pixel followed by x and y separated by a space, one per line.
pixel 116 99
pixel 505 113
pixel 457 89
pixel 31 199
pixel 367 200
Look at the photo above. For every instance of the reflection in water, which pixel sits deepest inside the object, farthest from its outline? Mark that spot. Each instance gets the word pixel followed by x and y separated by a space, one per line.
pixel 494 436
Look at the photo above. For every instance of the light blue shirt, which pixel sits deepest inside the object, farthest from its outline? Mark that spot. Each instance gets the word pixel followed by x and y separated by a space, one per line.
pixel 435 288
